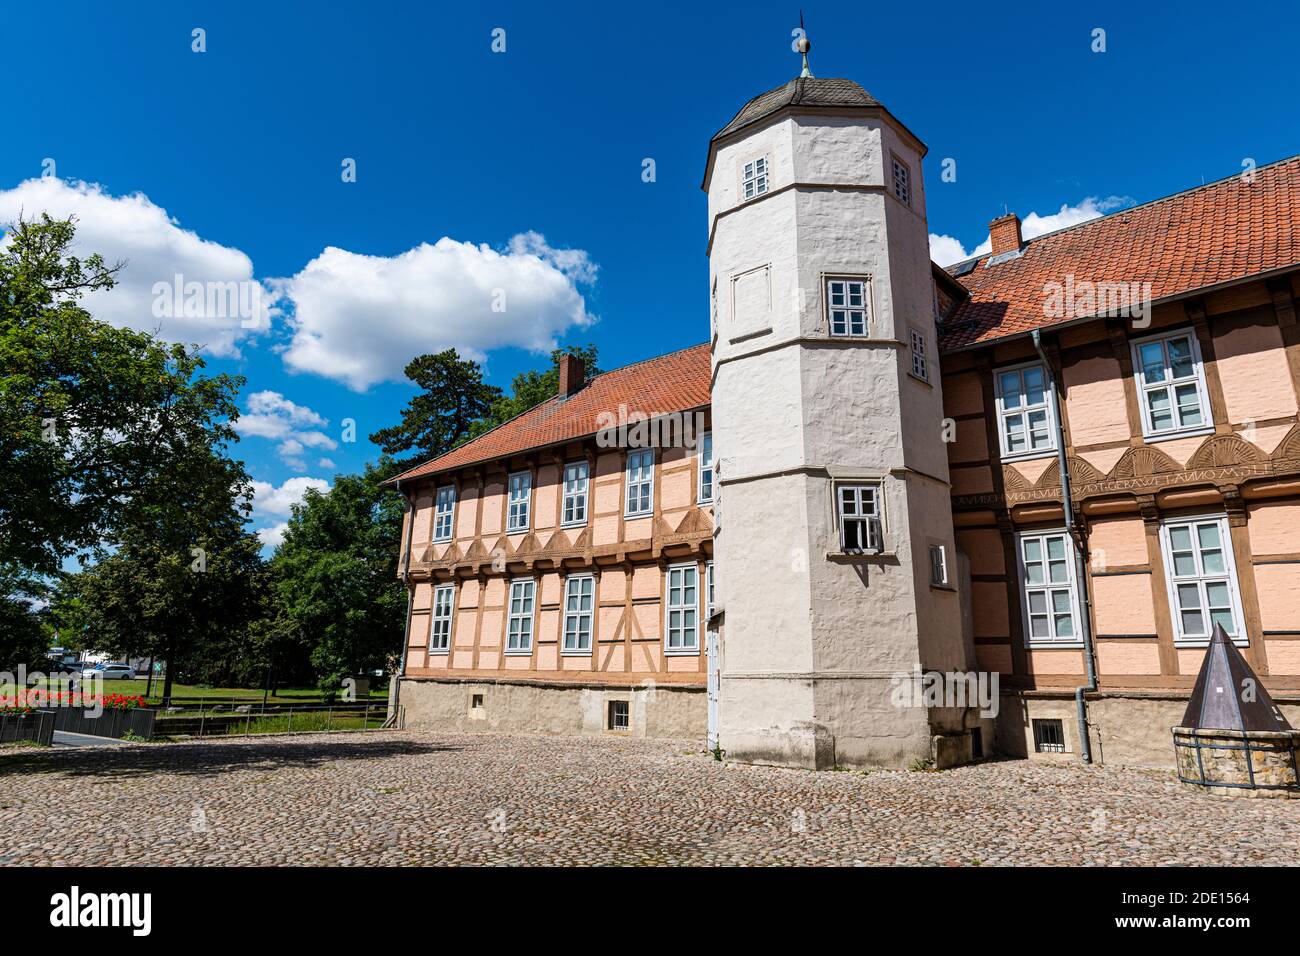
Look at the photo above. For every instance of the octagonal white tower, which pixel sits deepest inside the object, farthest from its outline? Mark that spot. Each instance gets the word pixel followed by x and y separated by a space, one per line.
pixel 815 198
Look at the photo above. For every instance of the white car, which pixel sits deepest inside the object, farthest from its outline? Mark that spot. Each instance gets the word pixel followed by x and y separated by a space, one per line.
pixel 112 671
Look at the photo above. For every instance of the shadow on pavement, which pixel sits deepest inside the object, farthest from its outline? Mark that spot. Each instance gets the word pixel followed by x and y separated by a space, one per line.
pixel 203 758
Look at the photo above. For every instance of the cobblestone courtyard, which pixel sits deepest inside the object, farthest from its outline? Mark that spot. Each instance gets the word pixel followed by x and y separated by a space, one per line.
pixel 421 798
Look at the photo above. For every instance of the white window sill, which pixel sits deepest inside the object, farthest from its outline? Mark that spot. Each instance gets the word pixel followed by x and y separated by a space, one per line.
pixel 639 514
pixel 574 524
pixel 1201 643
pixel 441 541
pixel 1170 436
pixel 704 501
pixel 682 652
pixel 1054 646
pixel 577 653
pixel 1030 455
pixel 520 653
pixel 442 653
pixel 861 555
pixel 523 530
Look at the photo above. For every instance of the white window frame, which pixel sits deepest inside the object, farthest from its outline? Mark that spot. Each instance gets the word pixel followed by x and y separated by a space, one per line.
pixel 444 509
pixel 1048 586
pixel 939 565
pixel 854 492
pixel 920 358
pixel 644 487
pixel 847 306
pixel 519 502
pixel 904 193
pixel 705 455
pixel 676 602
pixel 1201 579
pixel 519 639
pixel 1023 411
pixel 441 617
pixel 577 479
pixel 1169 385
pixel 708 591
pixel 577 620
pixel 754 178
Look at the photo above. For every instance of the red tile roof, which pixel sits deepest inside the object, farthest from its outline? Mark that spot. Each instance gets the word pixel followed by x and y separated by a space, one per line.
pixel 1220 232
pixel 676 382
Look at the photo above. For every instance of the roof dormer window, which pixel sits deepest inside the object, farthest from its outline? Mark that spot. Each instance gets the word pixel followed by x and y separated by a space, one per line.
pixel 755 181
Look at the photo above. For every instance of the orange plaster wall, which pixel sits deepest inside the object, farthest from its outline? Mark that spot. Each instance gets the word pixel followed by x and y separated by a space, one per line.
pixel 962 394
pixel 493 493
pixel 994 657
pixel 1116 542
pixel 983 546
pixel 466 511
pixel 972 441
pixel 1253 368
pixel 1279 596
pixel 1189 660
pixel 1032 469
pixel 989 609
pixel 1122 657
pixel 1123 604
pixel 1274 527
pixel 1095 403
pixel 1055 662
pixel 1283 657
pixel 545 498
pixel 1103 459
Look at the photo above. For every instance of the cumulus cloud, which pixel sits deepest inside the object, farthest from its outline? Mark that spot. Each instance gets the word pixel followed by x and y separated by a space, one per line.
pixel 271 501
pixel 271 415
pixel 360 319
pixel 945 250
pixel 173 282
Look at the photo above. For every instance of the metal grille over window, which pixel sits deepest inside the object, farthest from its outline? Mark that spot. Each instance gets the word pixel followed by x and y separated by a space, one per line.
pixel 1049 737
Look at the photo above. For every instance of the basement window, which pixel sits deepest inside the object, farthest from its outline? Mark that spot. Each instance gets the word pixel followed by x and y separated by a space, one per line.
pixel 476 702
pixel 1049 737
pixel 619 715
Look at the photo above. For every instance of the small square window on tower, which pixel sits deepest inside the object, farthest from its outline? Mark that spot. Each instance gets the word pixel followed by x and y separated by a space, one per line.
pixel 755 179
pixel 920 364
pixel 902 182
pixel 858 511
pixel 846 305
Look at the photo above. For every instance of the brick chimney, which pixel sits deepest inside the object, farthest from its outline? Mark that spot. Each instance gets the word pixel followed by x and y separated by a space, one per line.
pixel 1004 233
pixel 570 374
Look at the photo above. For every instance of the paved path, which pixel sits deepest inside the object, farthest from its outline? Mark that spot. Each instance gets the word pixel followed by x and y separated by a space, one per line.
pixel 416 797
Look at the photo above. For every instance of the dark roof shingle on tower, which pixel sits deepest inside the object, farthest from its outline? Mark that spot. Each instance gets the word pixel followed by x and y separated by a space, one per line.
pixel 801 91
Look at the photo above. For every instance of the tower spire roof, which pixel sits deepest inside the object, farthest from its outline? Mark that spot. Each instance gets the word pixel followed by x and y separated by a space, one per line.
pixel 803 45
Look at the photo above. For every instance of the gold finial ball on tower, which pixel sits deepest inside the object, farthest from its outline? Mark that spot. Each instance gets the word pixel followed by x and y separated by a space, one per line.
pixel 802 45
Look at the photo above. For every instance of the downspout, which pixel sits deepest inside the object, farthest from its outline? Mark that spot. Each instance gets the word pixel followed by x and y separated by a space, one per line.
pixel 410 601
pixel 1083 600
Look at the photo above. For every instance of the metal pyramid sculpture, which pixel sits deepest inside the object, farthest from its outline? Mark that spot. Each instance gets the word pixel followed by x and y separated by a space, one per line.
pixel 1228 695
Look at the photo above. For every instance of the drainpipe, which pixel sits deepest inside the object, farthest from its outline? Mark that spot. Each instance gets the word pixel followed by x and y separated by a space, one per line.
pixel 410 599
pixel 1084 602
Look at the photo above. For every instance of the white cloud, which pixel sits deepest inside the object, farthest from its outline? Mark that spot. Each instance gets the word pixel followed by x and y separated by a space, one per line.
pixel 271 415
pixel 270 502
pixel 154 250
pixel 945 250
pixel 272 536
pixel 326 463
pixel 360 319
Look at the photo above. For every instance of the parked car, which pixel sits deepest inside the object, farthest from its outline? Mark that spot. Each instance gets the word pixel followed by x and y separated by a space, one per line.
pixel 112 671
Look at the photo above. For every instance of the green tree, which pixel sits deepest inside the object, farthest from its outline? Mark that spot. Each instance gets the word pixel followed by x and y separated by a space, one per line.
pixel 22 635
pixel 335 576
pixel 452 398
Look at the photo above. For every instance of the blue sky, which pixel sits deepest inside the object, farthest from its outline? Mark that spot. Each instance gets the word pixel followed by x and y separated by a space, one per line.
pixel 227 164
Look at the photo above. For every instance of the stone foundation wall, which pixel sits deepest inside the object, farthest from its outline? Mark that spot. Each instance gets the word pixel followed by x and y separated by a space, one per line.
pixel 550 708
pixel 1125 729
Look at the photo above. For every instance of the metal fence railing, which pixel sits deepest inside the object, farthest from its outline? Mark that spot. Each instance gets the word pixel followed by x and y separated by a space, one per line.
pixel 247 718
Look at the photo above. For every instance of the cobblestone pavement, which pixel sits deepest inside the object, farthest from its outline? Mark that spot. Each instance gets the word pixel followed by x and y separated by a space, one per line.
pixel 413 797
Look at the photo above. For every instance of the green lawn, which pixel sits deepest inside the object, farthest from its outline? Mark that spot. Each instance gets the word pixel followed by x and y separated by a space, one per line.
pixel 283 695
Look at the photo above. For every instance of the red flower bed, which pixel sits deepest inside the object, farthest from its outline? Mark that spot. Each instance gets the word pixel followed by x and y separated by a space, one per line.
pixel 27 701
